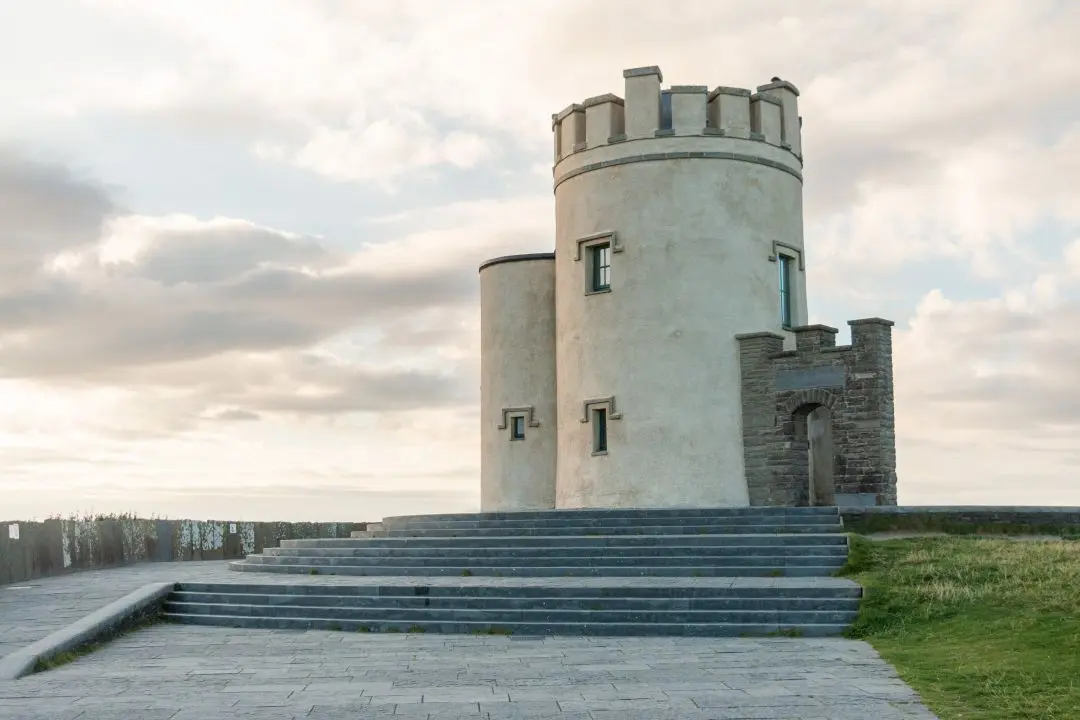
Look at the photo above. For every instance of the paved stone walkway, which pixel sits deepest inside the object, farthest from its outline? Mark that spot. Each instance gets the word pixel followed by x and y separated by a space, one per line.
pixel 200 673
pixel 33 609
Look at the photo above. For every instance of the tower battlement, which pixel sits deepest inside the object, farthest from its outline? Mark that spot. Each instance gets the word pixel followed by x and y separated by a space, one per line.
pixel 768 115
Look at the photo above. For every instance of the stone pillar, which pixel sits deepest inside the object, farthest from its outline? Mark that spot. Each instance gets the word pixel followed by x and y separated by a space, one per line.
pixel 811 338
pixel 872 449
pixel 759 426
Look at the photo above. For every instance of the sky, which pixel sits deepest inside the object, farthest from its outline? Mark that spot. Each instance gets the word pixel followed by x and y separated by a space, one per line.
pixel 239 241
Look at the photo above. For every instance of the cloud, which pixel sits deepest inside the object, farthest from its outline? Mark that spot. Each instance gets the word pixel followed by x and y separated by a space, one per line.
pixel 236 415
pixel 382 150
pixel 920 144
pixel 192 319
pixel 987 403
pixel 44 208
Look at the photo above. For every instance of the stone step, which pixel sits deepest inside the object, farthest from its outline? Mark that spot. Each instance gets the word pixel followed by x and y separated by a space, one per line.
pixel 541 560
pixel 506 615
pixel 576 570
pixel 544 589
pixel 587 530
pixel 590 513
pixel 520 628
pixel 540 550
pixel 582 601
pixel 602 523
pixel 611 541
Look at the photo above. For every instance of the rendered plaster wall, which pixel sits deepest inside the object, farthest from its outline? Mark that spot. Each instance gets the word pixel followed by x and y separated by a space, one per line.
pixel 696 214
pixel 517 371
pixel 854 383
pixel 54 547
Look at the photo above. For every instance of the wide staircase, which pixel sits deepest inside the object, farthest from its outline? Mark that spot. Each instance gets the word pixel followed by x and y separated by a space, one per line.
pixel 706 572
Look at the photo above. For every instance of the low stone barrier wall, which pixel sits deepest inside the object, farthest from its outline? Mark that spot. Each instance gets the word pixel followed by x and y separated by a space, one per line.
pixel 964 520
pixel 31 550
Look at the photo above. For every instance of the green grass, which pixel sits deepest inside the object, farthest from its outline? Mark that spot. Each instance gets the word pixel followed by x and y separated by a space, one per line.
pixel 786 632
pixel 70 656
pixel 982 628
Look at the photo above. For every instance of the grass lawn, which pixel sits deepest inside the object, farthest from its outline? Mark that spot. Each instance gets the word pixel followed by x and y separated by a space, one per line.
pixel 981 628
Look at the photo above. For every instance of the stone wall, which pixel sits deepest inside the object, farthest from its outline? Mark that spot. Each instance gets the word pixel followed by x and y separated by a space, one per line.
pixel 964 520
pixel 854 385
pixel 31 550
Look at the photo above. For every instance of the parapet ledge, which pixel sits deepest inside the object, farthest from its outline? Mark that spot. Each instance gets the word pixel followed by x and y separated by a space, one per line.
pixel 646 111
pixel 557 118
pixel 813 338
pixel 643 72
pixel 522 257
pixel 778 85
pixel 601 99
pixel 872 321
pixel 873 335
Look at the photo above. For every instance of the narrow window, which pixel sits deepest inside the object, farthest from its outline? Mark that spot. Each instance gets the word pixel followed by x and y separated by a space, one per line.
pixel 785 291
pixel 599 419
pixel 665 110
pixel 517 428
pixel 600 267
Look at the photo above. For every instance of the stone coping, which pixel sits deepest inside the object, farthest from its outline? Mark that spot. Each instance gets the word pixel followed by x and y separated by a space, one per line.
pixel 94 627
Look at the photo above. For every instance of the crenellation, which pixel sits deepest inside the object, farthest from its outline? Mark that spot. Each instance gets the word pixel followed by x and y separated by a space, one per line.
pixel 766 118
pixel 813 338
pixel 572 126
pixel 556 129
pixel 788 96
pixel 605 117
pixel 642 101
pixel 731 110
pixel 649 111
pixel 689 111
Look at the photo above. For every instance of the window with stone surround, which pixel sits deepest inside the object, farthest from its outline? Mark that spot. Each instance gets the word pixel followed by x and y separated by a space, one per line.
pixel 785 264
pixel 599 423
pixel 598 411
pixel 600 267
pixel 517 427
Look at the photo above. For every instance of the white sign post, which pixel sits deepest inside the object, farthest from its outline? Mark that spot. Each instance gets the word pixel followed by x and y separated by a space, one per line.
pixel 232 528
pixel 13 531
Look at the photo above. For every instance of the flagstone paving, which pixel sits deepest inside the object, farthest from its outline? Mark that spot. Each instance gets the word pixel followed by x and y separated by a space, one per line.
pixel 178 672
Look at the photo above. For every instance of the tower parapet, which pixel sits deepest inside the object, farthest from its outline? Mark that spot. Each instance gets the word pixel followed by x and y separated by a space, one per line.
pixel 769 116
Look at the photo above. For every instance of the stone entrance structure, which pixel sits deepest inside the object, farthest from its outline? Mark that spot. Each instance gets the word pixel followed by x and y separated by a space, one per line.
pixel 822 402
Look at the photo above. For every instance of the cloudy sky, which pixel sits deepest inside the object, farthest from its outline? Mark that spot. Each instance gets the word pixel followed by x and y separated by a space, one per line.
pixel 238 240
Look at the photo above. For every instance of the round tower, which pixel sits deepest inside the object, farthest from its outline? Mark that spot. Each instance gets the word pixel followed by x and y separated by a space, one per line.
pixel 517 386
pixel 678 225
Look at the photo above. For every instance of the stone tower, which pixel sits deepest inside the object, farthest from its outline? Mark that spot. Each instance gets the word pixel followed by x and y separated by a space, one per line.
pixel 611 369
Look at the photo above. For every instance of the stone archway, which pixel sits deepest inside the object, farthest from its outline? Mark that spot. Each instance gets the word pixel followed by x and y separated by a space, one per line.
pixel 854 383
pixel 812 445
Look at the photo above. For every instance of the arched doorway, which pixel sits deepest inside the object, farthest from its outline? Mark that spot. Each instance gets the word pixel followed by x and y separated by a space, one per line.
pixel 812 445
pixel 816 453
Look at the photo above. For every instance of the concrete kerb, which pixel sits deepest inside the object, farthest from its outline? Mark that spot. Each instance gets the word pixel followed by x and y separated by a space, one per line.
pixel 96 626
